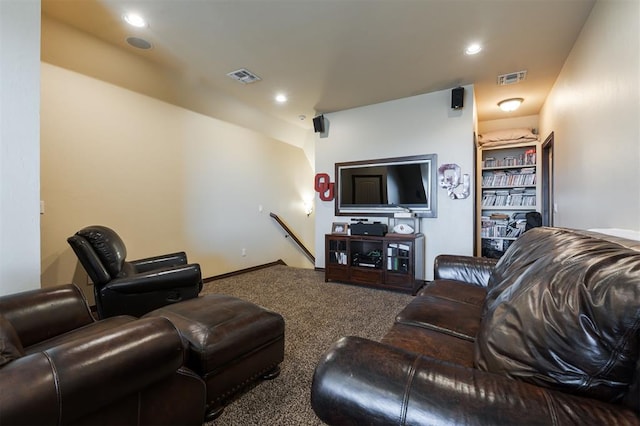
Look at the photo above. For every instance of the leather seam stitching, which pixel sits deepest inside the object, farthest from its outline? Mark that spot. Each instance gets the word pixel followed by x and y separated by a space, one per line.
pixel 615 354
pixel 56 382
pixel 405 397
pixel 552 411
pixel 433 327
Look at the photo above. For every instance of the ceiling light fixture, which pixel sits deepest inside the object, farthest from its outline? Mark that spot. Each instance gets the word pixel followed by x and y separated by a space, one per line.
pixel 511 104
pixel 280 98
pixel 135 20
pixel 472 49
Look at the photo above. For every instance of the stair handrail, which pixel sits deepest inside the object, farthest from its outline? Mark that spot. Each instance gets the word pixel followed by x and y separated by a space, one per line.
pixel 293 236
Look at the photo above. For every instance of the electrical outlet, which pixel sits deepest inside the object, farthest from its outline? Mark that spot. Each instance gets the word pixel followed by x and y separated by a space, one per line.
pixel 243 252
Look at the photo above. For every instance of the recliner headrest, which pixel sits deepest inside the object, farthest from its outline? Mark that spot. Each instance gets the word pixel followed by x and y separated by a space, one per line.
pixel 108 246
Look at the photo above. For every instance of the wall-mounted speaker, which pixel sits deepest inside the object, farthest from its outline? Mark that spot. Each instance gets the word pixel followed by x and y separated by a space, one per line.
pixel 457 98
pixel 318 124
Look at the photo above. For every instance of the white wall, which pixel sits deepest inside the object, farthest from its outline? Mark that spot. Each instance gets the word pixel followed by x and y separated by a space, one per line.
pixel 594 112
pixel 423 124
pixel 165 178
pixel 19 145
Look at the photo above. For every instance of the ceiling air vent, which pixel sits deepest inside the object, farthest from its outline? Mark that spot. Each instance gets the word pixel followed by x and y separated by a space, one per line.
pixel 511 78
pixel 244 76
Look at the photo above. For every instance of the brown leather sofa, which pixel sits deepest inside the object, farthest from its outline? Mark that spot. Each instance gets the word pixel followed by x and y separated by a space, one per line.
pixel 60 366
pixel 548 335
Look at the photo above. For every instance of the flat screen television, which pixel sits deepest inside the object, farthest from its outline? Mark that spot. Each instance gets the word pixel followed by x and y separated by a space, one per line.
pixel 386 186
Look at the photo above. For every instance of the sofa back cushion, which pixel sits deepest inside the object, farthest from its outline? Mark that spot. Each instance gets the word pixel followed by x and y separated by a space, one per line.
pixel 563 311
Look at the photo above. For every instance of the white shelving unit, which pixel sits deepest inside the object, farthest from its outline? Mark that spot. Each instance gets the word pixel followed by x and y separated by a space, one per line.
pixel 509 186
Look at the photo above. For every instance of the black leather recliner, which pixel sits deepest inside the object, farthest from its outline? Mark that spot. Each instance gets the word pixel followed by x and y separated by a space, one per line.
pixel 135 287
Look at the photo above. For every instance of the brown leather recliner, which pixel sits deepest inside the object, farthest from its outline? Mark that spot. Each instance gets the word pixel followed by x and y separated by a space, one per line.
pixel 133 287
pixel 60 366
pixel 549 335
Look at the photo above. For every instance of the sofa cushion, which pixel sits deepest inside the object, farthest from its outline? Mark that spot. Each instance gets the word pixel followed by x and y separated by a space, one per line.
pixel 455 290
pixel 457 319
pixel 10 345
pixel 563 311
pixel 430 343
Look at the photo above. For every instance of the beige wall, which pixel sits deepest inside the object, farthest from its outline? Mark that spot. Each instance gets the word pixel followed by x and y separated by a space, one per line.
pixel 594 112
pixel 165 178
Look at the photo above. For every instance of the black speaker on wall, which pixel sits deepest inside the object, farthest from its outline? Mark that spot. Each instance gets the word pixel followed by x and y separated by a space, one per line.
pixel 318 124
pixel 457 98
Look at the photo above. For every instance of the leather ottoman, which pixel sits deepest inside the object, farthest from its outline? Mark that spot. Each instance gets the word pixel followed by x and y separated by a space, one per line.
pixel 230 343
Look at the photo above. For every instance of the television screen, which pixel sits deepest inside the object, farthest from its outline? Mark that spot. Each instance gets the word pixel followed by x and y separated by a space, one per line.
pixel 382 187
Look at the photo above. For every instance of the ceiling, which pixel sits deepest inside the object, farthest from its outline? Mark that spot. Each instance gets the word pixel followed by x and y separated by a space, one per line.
pixel 332 55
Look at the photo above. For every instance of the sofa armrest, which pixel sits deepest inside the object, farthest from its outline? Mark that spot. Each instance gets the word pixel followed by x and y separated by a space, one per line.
pixel 469 269
pixel 359 381
pixel 156 262
pixel 61 308
pixel 68 381
pixel 157 280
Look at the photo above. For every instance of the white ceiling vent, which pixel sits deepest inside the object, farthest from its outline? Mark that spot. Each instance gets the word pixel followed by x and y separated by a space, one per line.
pixel 244 76
pixel 511 78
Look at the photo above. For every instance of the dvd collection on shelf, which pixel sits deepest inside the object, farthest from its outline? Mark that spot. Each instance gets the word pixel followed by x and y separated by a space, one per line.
pixel 519 177
pixel 515 197
pixel 527 158
pixel 502 225
pixel 341 258
pixel 398 257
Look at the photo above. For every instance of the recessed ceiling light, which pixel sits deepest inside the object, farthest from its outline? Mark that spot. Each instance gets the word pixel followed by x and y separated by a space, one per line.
pixel 281 98
pixel 135 20
pixel 472 49
pixel 509 105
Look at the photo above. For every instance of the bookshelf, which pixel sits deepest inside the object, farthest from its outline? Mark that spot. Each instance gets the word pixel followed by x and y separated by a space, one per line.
pixel 509 187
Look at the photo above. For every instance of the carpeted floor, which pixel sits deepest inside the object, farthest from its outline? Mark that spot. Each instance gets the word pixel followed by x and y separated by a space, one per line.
pixel 316 314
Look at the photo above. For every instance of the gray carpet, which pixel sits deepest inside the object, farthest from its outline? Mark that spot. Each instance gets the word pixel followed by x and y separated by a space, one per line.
pixel 316 314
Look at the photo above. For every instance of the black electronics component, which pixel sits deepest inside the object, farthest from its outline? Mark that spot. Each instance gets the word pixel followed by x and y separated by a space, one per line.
pixel 457 98
pixel 376 229
pixel 318 124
